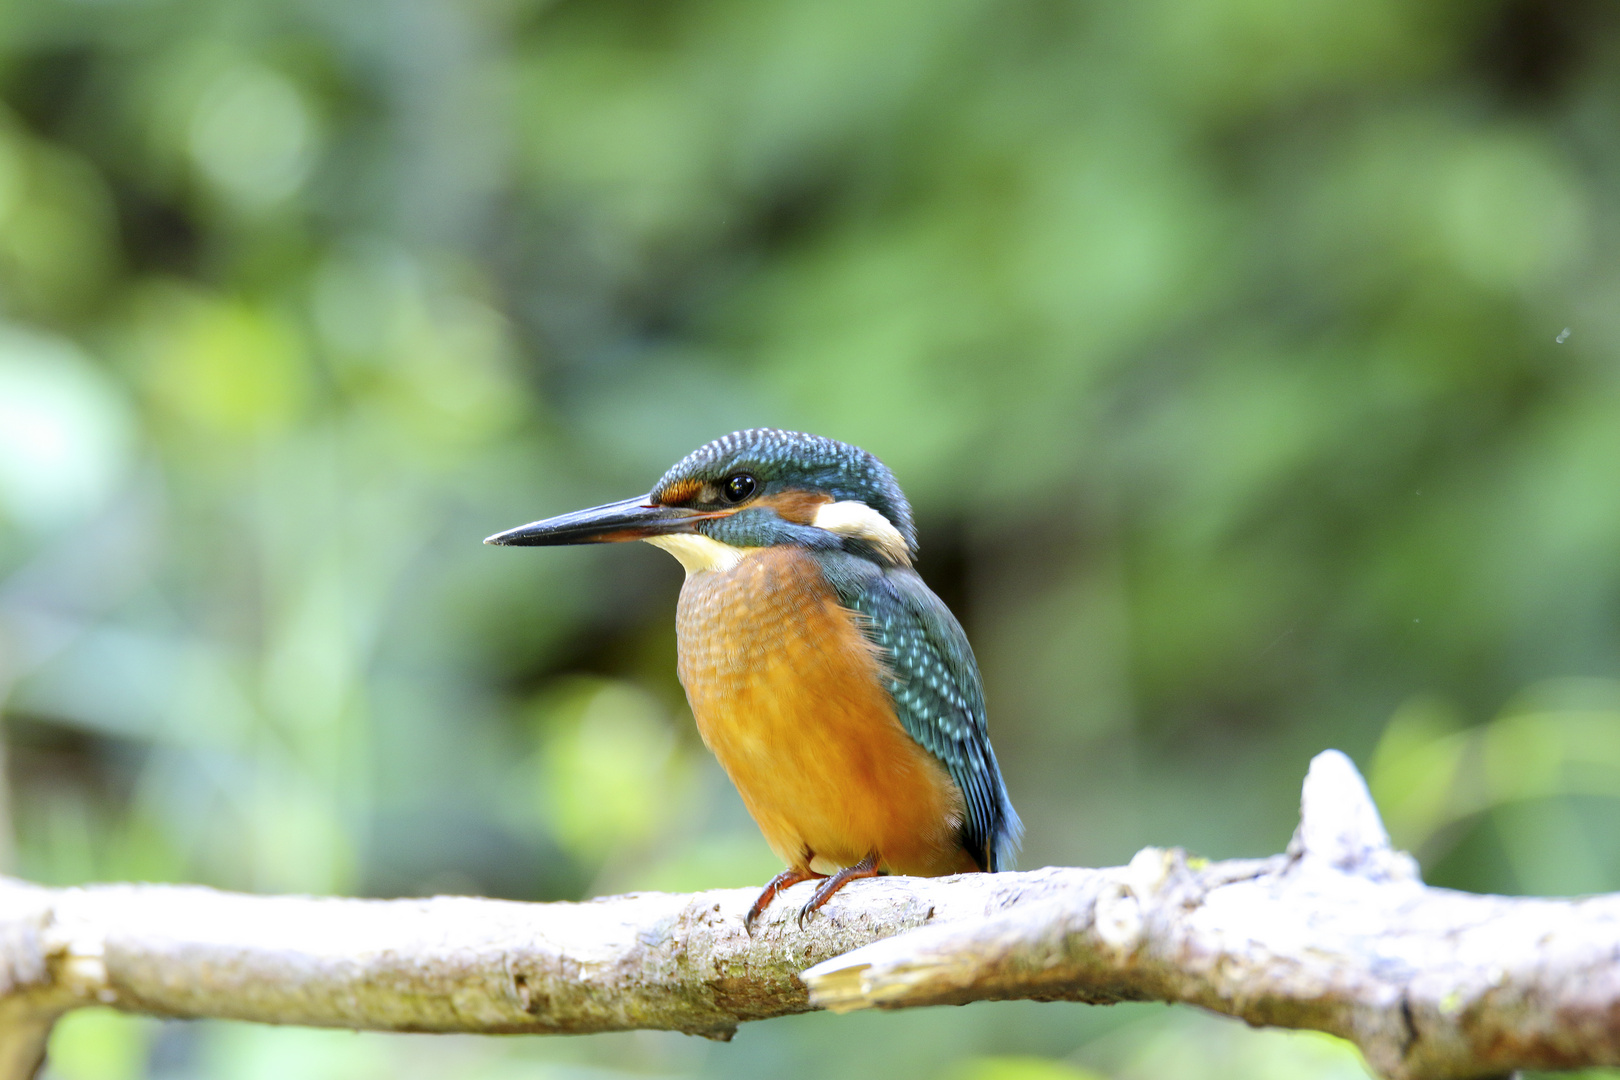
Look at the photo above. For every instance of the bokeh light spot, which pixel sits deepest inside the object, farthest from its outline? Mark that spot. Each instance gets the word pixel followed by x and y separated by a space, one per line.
pixel 252 136
pixel 65 431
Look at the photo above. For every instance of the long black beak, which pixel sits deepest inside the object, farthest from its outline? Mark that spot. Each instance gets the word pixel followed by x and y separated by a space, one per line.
pixel 631 519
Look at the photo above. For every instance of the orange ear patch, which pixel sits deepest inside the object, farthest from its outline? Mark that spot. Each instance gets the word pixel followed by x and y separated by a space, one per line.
pixel 798 507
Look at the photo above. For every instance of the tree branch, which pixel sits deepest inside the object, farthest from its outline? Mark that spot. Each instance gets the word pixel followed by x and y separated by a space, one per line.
pixel 1338 935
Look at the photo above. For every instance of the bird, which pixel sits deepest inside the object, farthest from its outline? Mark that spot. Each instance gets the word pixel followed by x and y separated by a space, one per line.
pixel 837 691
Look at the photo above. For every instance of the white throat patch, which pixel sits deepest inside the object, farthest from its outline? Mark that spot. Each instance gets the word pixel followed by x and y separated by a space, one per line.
pixel 698 553
pixel 855 519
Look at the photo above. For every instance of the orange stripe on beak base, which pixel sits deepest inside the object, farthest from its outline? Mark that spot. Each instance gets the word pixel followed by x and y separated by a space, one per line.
pixel 678 493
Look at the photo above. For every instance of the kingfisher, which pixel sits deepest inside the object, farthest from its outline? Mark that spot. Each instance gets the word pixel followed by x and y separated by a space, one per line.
pixel 837 691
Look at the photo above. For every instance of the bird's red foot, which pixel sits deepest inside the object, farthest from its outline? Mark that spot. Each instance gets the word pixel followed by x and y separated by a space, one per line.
pixel 867 867
pixel 786 878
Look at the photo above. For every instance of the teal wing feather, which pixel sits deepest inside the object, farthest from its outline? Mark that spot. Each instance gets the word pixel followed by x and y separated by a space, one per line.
pixel 934 681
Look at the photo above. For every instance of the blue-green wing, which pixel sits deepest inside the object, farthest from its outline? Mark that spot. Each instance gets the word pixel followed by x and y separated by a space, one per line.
pixel 934 681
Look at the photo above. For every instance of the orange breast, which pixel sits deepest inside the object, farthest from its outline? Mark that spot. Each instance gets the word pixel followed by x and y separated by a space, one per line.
pixel 789 695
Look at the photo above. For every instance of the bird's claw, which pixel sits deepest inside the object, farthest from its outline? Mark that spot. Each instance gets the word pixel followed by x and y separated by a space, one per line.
pixel 786 879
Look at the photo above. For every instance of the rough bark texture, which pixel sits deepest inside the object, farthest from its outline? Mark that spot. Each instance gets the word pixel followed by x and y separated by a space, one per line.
pixel 1338 934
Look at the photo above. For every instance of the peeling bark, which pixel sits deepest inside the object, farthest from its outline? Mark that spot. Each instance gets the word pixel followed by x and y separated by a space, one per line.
pixel 1338 934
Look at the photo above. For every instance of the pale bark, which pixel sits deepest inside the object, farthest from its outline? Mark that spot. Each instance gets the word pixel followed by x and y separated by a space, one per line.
pixel 1338 935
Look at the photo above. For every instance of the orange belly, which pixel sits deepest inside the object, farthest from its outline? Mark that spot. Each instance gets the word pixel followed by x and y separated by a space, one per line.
pixel 789 695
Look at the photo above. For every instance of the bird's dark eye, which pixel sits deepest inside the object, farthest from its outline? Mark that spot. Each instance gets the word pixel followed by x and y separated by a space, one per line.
pixel 737 488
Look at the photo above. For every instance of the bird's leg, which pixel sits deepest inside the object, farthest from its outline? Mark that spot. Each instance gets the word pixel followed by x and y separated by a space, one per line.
pixel 867 867
pixel 789 877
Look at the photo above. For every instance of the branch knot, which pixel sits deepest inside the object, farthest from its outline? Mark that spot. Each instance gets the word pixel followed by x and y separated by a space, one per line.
pixel 1339 826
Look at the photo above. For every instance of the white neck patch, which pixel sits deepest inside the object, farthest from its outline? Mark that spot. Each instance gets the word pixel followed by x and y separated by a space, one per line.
pixel 855 519
pixel 698 553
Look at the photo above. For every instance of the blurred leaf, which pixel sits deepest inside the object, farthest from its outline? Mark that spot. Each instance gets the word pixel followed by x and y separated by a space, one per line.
pixel 99 1044
pixel 1018 1068
pixel 57 231
pixel 229 367
pixel 1192 1046
pixel 1429 778
pixel 1415 769
pixel 608 771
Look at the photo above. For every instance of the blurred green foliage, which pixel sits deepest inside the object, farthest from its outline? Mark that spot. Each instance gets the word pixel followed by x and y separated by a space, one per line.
pixel 1253 366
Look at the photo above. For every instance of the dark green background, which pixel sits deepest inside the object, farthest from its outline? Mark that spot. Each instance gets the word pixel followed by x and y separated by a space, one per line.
pixel 1254 367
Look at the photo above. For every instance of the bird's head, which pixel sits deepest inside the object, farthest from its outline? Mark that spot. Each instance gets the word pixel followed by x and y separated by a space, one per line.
pixel 751 489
